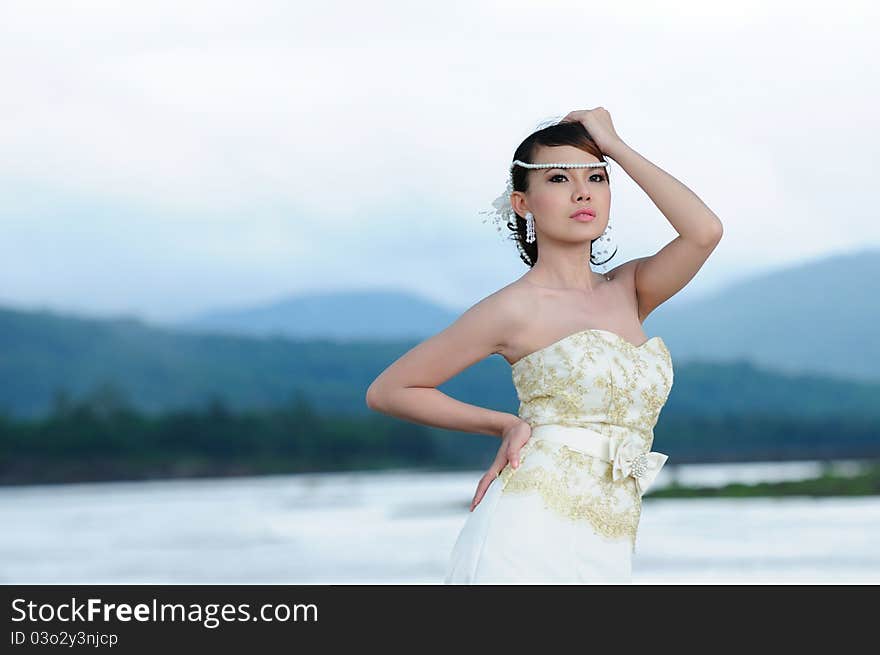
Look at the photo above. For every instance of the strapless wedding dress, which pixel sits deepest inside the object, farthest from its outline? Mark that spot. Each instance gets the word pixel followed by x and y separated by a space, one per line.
pixel 569 514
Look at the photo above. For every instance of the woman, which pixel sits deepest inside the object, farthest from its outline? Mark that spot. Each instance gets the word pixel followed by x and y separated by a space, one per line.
pixel 561 502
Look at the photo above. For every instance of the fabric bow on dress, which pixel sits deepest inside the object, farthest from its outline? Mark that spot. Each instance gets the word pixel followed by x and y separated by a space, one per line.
pixel 628 458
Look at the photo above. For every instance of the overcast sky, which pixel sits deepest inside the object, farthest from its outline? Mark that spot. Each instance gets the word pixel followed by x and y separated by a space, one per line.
pixel 165 158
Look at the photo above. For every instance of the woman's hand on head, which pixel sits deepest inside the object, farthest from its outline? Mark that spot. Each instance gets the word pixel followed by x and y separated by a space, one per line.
pixel 514 437
pixel 598 124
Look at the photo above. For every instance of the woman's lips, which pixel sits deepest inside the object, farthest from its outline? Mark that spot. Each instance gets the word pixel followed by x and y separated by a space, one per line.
pixel 584 218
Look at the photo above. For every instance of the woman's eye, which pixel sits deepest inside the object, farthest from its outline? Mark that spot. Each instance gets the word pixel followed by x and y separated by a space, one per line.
pixel 599 175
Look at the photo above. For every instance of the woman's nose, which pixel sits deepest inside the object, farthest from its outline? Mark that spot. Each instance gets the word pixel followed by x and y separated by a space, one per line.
pixel 582 190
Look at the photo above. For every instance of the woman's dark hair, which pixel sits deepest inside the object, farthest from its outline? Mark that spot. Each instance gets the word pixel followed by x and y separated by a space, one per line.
pixel 568 133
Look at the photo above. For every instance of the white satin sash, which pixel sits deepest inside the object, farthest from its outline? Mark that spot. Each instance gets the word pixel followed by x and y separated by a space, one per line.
pixel 625 452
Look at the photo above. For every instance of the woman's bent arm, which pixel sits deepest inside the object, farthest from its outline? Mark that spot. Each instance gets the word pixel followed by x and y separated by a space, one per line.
pixel 408 388
pixel 431 406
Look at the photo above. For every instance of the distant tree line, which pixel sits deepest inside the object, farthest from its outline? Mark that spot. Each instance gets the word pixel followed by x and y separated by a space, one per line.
pixel 101 436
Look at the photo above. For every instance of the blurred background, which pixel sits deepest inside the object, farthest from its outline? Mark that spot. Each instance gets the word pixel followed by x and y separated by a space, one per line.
pixel 219 222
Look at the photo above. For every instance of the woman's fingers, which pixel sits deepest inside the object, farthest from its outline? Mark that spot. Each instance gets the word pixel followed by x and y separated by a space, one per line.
pixel 484 483
pixel 506 453
pixel 478 496
pixel 502 457
pixel 513 455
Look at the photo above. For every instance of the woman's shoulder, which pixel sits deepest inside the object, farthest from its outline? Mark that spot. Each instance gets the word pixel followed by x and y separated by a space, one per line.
pixel 509 306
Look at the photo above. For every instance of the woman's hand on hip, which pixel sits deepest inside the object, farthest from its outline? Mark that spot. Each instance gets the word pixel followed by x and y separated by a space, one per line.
pixel 514 437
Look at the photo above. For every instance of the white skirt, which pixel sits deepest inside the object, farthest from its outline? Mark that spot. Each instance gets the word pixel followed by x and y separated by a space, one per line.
pixel 515 538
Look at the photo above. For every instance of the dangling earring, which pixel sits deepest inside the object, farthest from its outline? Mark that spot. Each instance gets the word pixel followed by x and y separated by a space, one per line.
pixel 530 227
pixel 603 248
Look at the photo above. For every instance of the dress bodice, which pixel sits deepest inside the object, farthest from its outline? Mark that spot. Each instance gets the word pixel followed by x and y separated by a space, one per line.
pixel 598 380
pixel 595 379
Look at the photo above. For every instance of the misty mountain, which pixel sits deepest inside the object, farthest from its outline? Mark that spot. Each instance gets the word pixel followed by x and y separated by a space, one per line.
pixel 820 317
pixel 342 315
pixel 795 341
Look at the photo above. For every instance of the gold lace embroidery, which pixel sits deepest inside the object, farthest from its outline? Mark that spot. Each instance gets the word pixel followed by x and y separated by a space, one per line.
pixel 608 385
pixel 578 487
pixel 590 380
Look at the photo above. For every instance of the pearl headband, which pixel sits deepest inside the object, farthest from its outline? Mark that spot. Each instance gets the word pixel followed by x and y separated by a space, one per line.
pixel 517 162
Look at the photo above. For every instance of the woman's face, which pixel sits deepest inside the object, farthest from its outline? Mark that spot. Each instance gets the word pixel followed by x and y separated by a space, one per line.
pixel 556 193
